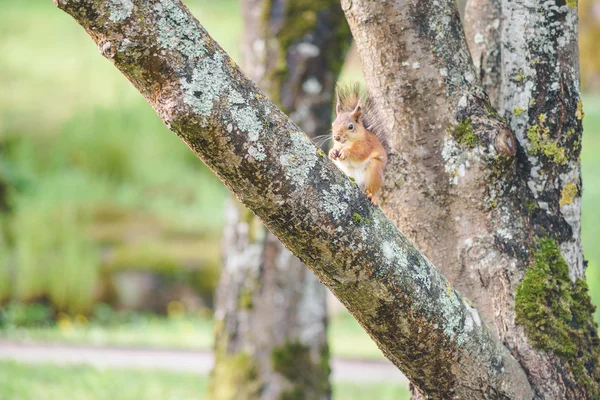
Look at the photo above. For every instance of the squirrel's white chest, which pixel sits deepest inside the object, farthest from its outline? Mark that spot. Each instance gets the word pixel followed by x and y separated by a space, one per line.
pixel 354 169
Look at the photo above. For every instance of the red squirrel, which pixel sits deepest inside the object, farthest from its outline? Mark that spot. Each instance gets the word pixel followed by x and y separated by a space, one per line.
pixel 357 150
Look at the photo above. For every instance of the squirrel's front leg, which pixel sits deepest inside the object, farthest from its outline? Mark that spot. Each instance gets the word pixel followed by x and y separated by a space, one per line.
pixel 374 178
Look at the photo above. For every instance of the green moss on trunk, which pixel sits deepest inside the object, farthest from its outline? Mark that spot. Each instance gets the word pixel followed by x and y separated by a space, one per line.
pixel 568 193
pixel 557 314
pixel 463 133
pixel 235 376
pixel 295 362
pixel 542 143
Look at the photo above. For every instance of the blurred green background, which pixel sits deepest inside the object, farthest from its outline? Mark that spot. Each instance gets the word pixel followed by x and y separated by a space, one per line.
pixel 97 197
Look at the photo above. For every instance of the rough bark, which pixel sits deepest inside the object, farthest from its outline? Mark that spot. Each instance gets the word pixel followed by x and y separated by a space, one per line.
pixel 446 142
pixel 483 28
pixel 271 310
pixel 541 98
pixel 496 223
pixel 405 304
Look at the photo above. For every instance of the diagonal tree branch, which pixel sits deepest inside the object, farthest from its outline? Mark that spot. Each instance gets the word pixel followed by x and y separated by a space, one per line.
pixel 405 304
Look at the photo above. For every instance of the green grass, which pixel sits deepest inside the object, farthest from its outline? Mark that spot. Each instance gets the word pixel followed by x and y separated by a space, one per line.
pixel 346 337
pixel 176 332
pixel 157 333
pixel 53 382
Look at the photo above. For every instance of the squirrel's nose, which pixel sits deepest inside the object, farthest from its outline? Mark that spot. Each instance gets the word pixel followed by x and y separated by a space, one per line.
pixel 336 138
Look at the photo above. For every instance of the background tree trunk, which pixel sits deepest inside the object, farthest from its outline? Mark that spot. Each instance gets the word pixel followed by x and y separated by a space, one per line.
pixel 589 23
pixel 271 310
pixel 492 222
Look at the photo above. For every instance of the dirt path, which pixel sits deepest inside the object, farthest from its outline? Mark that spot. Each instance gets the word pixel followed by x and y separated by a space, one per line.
pixel 195 361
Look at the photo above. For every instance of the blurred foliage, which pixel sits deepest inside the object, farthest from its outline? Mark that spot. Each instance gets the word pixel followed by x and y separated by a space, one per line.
pixel 15 315
pixel 106 326
pixel 91 182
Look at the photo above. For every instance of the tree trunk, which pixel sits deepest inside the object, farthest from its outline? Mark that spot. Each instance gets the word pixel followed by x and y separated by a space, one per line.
pixel 271 312
pixel 423 71
pixel 483 28
pixel 505 228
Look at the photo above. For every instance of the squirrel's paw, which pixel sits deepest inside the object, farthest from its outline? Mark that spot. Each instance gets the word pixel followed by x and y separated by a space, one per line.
pixel 343 154
pixel 372 198
pixel 334 154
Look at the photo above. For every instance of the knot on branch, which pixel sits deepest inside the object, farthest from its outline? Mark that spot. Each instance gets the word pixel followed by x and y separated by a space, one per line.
pixel 107 49
pixel 505 143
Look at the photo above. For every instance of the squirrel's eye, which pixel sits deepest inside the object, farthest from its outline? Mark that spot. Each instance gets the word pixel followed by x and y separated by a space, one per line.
pixel 350 127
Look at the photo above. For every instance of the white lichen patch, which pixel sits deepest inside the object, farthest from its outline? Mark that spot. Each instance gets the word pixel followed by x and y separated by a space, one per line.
pixel 507 223
pixel 301 159
pixel 244 116
pixel 120 10
pixel 393 254
pixel 397 259
pixel 177 31
pixel 333 200
pixel 453 158
pixel 424 271
pixel 257 152
pixel 207 83
pixel 468 327
pixel 450 308
pixel 571 211
pixel 126 44
pixel 474 317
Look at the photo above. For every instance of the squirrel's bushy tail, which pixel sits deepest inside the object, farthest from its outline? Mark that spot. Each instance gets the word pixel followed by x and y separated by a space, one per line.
pixel 348 96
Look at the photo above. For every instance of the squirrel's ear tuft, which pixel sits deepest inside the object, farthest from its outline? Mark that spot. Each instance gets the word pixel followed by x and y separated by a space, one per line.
pixel 338 103
pixel 357 113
